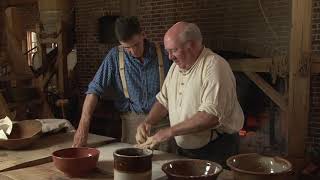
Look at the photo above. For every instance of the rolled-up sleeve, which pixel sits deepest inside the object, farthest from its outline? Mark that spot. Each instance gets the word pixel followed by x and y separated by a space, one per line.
pixel 162 96
pixel 218 91
pixel 103 76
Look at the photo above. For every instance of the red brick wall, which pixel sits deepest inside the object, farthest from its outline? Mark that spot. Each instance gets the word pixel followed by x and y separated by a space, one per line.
pixel 90 52
pixel 233 24
pixel 314 123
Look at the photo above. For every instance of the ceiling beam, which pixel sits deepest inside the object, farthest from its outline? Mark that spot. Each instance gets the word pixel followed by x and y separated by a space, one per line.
pixel 273 94
pixel 251 64
pixel 20 2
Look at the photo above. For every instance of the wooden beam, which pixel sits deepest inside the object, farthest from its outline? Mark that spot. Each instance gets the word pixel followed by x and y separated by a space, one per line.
pixel 48 76
pixel 20 2
pixel 14 33
pixel 274 95
pixel 299 76
pixel 63 51
pixel 14 24
pixel 251 64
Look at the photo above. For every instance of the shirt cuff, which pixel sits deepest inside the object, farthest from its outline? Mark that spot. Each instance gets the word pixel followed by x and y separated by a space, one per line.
pixel 94 88
pixel 212 110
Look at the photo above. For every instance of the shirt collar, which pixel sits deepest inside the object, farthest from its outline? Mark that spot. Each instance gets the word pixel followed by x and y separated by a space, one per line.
pixel 149 52
pixel 203 52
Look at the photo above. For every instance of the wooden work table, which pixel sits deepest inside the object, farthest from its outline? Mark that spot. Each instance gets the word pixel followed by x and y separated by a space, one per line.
pixel 41 149
pixel 104 170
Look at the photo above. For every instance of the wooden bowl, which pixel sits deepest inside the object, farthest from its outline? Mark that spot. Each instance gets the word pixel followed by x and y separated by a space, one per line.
pixel 23 134
pixel 258 167
pixel 194 169
pixel 76 162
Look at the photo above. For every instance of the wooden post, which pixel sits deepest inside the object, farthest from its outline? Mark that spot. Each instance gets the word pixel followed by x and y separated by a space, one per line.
pixel 62 60
pixel 41 50
pixel 299 77
pixel 15 35
pixel 20 2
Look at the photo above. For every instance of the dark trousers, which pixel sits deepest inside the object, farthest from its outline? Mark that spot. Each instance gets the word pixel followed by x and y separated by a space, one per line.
pixel 218 150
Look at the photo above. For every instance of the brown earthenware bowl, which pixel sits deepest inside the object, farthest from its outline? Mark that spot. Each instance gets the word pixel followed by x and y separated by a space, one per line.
pixel 194 169
pixel 258 167
pixel 23 134
pixel 76 162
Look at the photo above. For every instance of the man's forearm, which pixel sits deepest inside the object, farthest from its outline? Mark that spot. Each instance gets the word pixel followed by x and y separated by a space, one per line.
pixel 88 108
pixel 157 112
pixel 198 122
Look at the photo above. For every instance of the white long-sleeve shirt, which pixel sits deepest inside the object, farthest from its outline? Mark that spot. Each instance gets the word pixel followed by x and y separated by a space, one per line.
pixel 209 86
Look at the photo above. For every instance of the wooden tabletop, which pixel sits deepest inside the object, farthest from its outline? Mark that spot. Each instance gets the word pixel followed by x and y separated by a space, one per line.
pixel 41 150
pixel 103 171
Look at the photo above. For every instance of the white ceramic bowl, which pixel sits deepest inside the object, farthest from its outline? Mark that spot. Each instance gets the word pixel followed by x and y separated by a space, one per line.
pixel 191 169
pixel 258 167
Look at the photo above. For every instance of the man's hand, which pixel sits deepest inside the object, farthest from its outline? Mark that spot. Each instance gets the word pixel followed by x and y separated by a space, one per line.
pixel 143 131
pixel 161 136
pixel 80 138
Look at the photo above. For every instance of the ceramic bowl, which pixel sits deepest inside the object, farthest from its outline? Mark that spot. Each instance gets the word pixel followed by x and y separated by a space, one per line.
pixel 76 162
pixel 258 167
pixel 192 169
pixel 23 134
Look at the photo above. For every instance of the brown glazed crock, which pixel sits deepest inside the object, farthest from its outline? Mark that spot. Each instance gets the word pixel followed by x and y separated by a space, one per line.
pixel 130 162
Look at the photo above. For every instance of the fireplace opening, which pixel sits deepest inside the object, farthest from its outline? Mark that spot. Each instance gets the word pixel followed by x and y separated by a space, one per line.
pixel 262 128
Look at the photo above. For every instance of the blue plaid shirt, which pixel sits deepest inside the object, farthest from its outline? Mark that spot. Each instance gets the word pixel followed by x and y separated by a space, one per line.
pixel 142 78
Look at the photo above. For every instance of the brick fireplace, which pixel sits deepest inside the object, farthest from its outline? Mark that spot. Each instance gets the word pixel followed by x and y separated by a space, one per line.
pixel 262 127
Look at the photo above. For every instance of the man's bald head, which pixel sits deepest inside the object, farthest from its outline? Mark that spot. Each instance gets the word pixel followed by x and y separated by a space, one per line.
pixel 183 42
pixel 182 32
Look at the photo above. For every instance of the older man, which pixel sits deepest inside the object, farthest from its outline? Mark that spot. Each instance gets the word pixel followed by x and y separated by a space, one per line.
pixel 199 94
